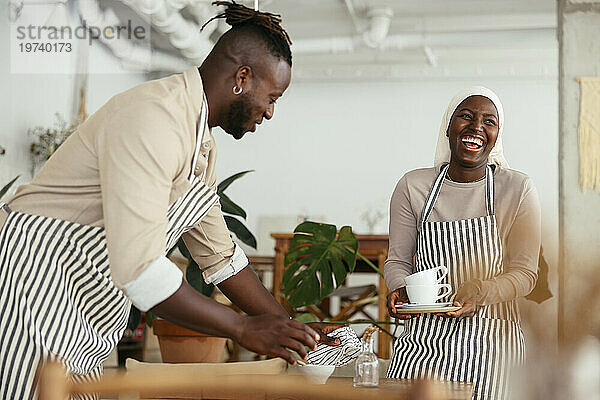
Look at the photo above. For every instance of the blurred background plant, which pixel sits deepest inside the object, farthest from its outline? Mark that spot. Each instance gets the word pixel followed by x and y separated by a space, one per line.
pixel 48 140
pixel 372 219
pixel 231 211
pixel 6 187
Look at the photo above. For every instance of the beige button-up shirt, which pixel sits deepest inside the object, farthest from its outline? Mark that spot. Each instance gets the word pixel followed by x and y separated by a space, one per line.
pixel 124 166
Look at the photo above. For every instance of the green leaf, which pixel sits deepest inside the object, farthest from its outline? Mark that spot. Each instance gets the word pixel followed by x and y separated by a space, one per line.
pixel 306 318
pixel 317 248
pixel 193 276
pixel 239 229
pixel 7 186
pixel 225 183
pixel 326 280
pixel 229 207
pixel 149 318
pixel 183 249
pixel 135 317
pixel 289 273
pixel 306 293
pixel 339 271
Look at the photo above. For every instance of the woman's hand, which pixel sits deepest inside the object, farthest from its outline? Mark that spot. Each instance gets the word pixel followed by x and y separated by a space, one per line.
pixel 395 298
pixel 274 336
pixel 467 297
pixel 325 328
pixel 467 309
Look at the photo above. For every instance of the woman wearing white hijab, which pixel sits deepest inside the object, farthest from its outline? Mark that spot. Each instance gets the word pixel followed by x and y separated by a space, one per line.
pixel 480 219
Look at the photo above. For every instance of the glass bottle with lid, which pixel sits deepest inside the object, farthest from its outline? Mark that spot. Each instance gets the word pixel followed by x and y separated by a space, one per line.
pixel 366 369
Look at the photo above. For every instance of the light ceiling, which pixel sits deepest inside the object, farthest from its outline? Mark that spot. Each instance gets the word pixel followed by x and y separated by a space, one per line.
pixel 438 39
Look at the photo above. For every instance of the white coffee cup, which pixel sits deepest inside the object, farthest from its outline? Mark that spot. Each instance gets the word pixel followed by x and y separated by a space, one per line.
pixel 427 277
pixel 427 294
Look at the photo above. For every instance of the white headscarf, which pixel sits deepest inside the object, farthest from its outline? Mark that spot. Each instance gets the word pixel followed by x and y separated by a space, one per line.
pixel 442 150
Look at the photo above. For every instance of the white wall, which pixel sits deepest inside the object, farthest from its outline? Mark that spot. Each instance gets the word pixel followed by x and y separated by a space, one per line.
pixel 30 100
pixel 338 149
pixel 26 101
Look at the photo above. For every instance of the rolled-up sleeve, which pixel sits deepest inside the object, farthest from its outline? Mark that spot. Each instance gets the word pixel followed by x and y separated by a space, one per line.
pixel 141 150
pixel 211 246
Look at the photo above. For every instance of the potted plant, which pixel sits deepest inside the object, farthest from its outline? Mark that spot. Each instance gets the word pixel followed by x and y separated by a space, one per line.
pixel 318 261
pixel 181 345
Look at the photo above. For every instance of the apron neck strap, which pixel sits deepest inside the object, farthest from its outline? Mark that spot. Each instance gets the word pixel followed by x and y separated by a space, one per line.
pixel 437 186
pixel 200 128
pixel 489 189
pixel 433 194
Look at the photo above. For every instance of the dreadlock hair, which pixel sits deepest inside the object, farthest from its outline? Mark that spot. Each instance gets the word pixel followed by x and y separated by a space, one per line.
pixel 265 24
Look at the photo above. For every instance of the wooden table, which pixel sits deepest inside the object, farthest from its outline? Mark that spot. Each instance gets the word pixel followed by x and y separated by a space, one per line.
pixel 397 389
pixel 54 384
pixel 373 247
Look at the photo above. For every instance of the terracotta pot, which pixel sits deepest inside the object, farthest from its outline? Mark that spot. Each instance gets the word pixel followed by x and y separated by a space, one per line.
pixel 181 345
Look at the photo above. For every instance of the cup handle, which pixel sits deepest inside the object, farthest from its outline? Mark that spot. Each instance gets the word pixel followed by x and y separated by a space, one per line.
pixel 444 272
pixel 447 292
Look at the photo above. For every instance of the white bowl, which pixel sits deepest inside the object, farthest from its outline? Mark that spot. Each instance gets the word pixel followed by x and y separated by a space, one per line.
pixel 317 374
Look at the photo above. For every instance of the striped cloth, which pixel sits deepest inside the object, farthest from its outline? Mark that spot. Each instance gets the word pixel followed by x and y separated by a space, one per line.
pixel 58 300
pixel 57 297
pixel 339 355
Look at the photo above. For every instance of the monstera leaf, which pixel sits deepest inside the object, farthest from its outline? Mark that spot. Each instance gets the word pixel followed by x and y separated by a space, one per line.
pixel 317 255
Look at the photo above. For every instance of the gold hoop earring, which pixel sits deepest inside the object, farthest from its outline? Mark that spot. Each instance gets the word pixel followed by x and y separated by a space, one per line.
pixel 237 90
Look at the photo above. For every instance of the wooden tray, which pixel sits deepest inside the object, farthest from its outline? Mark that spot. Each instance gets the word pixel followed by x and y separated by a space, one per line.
pixel 427 310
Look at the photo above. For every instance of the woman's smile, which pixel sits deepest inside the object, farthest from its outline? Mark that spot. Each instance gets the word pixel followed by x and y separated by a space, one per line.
pixel 472 142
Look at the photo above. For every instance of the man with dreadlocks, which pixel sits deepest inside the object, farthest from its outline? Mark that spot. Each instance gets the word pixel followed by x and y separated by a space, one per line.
pixel 89 235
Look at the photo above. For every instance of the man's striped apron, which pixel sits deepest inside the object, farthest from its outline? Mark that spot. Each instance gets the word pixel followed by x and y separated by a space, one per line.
pixel 482 349
pixel 57 298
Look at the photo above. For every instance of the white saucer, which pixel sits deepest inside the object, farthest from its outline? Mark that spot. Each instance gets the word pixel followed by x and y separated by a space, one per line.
pixel 422 306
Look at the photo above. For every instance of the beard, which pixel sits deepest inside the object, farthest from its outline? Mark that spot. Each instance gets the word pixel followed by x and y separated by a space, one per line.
pixel 239 115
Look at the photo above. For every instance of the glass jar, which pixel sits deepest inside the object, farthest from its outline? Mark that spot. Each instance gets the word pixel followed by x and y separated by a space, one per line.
pixel 366 369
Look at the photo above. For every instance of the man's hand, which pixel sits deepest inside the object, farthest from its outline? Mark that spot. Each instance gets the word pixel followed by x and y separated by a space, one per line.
pixel 395 298
pixel 323 329
pixel 269 334
pixel 273 335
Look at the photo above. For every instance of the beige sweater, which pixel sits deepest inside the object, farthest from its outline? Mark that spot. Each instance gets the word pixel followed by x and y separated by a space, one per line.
pixel 517 212
pixel 124 166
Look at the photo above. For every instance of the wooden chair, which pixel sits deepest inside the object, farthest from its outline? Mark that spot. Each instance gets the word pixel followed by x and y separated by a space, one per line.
pixel 353 300
pixel 262 265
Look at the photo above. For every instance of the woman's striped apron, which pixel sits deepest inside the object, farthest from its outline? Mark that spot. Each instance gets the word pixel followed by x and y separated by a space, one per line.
pixel 57 298
pixel 482 349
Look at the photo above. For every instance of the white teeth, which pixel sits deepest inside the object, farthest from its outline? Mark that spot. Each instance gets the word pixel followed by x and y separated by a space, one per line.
pixel 472 140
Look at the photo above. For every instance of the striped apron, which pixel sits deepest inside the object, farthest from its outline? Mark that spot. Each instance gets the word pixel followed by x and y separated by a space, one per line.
pixel 482 349
pixel 57 299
